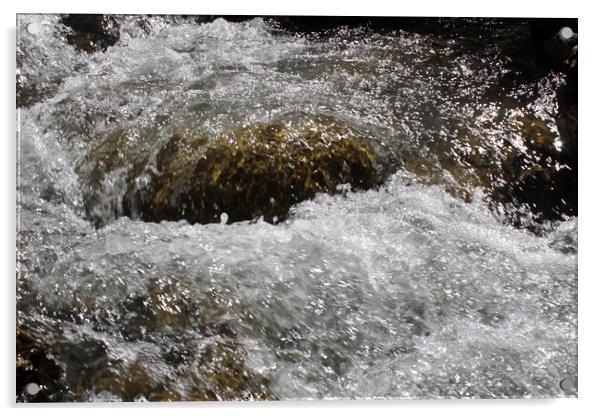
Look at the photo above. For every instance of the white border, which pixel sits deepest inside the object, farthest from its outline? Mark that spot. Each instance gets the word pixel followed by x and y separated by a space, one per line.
pixel 590 154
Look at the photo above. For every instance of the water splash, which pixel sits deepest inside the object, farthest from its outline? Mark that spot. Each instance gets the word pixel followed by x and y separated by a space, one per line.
pixel 403 291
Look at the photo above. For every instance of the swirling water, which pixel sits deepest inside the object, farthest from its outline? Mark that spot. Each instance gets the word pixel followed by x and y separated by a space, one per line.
pixel 403 291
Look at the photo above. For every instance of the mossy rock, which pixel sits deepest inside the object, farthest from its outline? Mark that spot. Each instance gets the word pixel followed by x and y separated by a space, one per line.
pixel 259 170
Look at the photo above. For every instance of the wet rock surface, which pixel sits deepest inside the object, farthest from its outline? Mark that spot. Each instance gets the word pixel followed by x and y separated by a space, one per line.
pixel 200 358
pixel 534 182
pixel 40 378
pixel 357 294
pixel 91 32
pixel 214 370
pixel 27 93
pixel 257 171
pixel 544 178
pixel 106 171
pixel 262 170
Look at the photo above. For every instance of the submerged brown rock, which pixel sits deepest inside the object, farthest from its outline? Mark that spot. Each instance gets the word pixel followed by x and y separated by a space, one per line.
pixel 201 357
pixel 217 372
pixel 259 170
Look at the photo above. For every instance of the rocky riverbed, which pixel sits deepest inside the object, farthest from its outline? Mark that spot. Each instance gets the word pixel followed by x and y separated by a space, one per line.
pixel 241 208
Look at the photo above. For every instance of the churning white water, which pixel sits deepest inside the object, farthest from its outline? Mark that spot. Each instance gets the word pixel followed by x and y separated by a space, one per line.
pixel 403 291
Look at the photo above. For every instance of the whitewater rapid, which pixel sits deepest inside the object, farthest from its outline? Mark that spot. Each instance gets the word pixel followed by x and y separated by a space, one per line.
pixel 398 292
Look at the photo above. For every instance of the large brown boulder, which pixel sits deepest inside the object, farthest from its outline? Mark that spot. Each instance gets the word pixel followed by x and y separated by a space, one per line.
pixel 259 170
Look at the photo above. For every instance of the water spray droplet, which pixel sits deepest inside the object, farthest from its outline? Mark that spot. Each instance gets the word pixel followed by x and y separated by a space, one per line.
pixel 223 219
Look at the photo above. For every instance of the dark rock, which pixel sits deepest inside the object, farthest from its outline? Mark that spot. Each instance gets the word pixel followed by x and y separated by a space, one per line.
pixel 559 46
pixel 527 185
pixel 314 24
pixel 567 122
pixel 30 92
pixel 91 32
pixel 260 170
pixel 550 193
pixel 201 357
pixel 308 24
pixel 556 48
pixel 86 361
pixel 544 177
pixel 166 305
pixel 544 28
pixel 566 117
pixel 27 93
pixel 37 367
pixel 444 27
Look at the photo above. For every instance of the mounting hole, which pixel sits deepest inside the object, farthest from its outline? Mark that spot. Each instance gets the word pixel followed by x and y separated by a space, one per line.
pixel 32 389
pixel 569 385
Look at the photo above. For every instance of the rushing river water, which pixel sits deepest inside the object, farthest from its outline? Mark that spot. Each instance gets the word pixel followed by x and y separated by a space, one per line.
pixel 419 288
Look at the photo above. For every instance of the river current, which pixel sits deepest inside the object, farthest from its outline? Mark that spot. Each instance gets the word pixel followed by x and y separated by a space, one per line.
pixel 410 290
